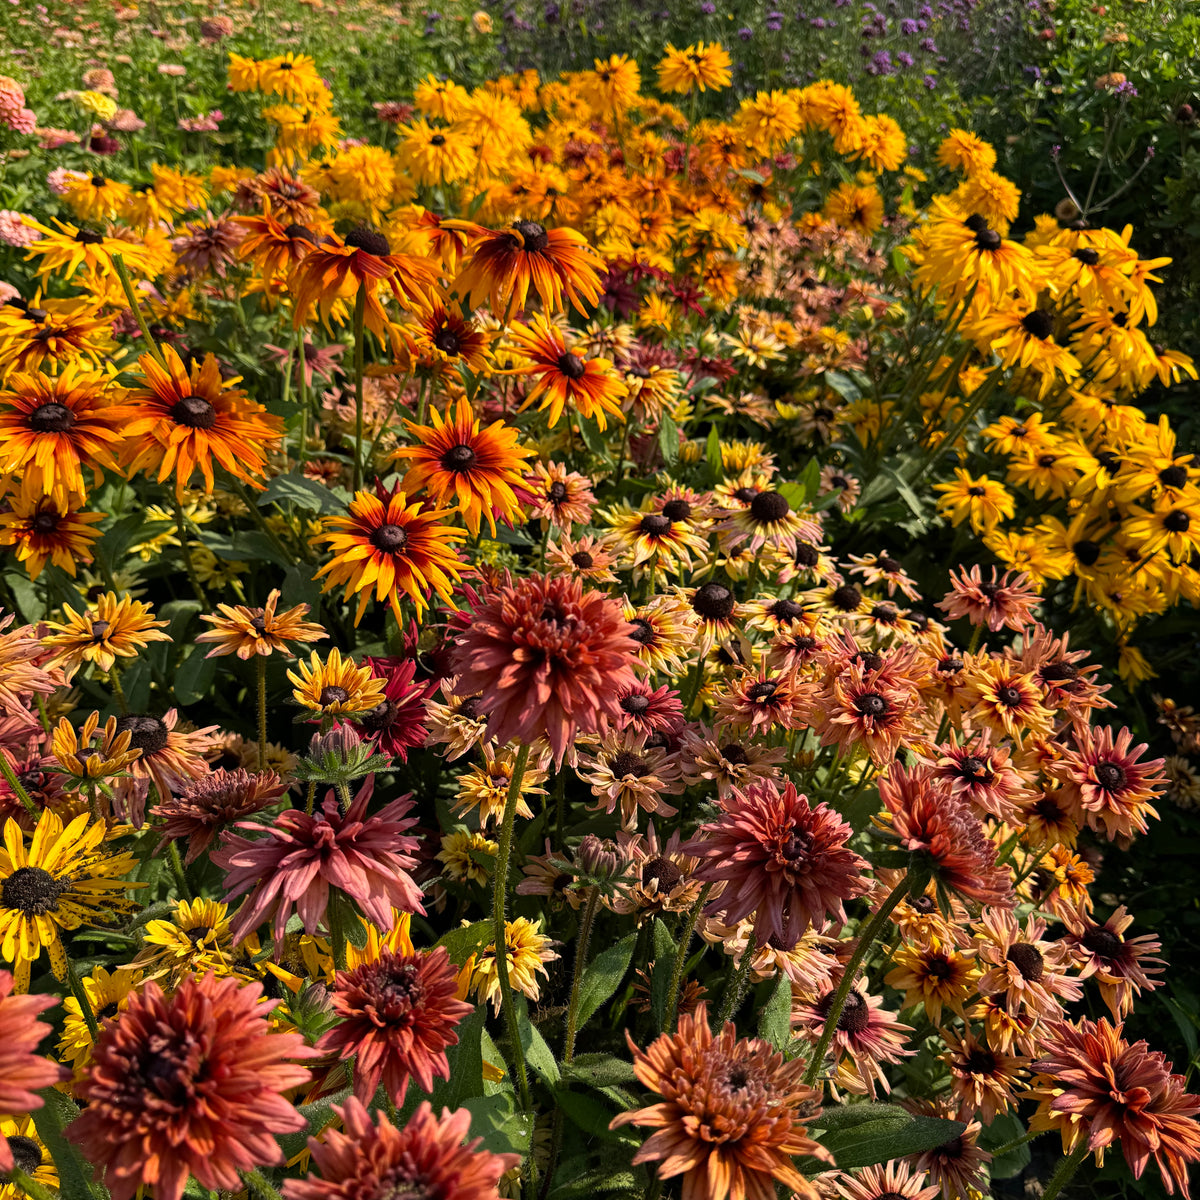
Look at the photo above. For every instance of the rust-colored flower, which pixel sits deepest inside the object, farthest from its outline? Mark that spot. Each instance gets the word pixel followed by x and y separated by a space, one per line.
pixel 212 803
pixel 550 659
pixel 781 860
pixel 427 1157
pixel 249 631
pixel 398 1016
pixel 1093 1084
pixel 189 1085
pixel 171 758
pixel 1122 966
pixel 729 1121
pixel 1006 602
pixel 23 1072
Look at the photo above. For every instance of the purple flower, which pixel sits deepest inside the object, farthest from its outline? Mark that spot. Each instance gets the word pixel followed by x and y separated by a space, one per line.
pixel 1126 90
pixel 905 59
pixel 745 33
pixel 928 45
pixel 930 82
pixel 908 26
pixel 1034 73
pixel 708 8
pixel 881 64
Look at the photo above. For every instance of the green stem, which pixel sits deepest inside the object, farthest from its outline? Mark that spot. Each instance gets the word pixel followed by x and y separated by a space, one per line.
pixel 127 287
pixel 29 1185
pixel 257 1184
pixel 560 807
pixel 256 515
pixel 337 932
pixel 581 948
pixel 360 308
pixel 500 924
pixel 624 442
pixel 685 940
pixel 185 892
pixel 737 985
pixel 302 388
pixel 14 783
pixel 81 997
pixel 1066 1169
pixel 114 678
pixel 262 711
pixel 1009 1147
pixel 186 551
pixel 866 939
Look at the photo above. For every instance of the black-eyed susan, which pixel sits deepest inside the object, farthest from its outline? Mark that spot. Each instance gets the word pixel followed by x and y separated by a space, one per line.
pixel 445 339
pixel 65 249
pixel 246 632
pixel 60 880
pixel 194 940
pixel 1023 336
pixel 29 1154
pixel 43 529
pixel 435 155
pixel 961 150
pixel 1173 524
pixel 87 759
pixel 982 501
pixel 116 628
pixel 591 387
pixel 392 548
pixel 292 76
pixel 274 247
pixel 856 207
pixel 188 418
pixel 648 535
pixel 503 264
pixel 699 67
pixel 960 255
pixel 336 686
pixel 44 334
pixel 612 86
pixel 53 426
pixel 457 462
pixel 96 197
pixel 108 994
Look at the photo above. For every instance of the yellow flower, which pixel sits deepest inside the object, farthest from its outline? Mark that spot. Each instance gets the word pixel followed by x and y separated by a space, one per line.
pixel 193 942
pixel 963 151
pixel 699 66
pixel 108 995
pixel 982 501
pixel 855 207
pixel 105 107
pixel 527 951
pixel 116 628
pixel 29 1154
pixel 460 853
pixel 335 686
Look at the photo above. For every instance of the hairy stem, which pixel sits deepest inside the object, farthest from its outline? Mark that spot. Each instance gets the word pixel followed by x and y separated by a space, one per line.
pixel 685 940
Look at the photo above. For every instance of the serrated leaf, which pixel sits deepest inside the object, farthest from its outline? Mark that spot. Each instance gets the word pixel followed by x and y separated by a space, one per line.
pixel 496 1120
pixel 775 1019
pixel 603 976
pixel 600 1070
pixel 664 963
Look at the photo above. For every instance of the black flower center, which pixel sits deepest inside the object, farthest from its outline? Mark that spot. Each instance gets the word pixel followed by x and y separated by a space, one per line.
pixel 87 237
pixel 27 1154
pixel 447 341
pixel 1038 324
pixel 922 904
pixel 437 140
pixel 981 1061
pixel 642 631
pixel 369 241
pixel 846 598
pixel 871 704
pixel 1009 696
pixel 58 418
pixel 299 233
pixel 677 510
pixel 735 755
pixel 636 704
pixel 976 490
pixel 195 412
pixel 1087 552
pixel 714 602
pixel 1110 776
pixel 1087 256
pixel 768 508
pixel 1028 960
pixel 557 491
pixel 807 555
pixel 45 523
pixel 663 871
pixel 745 494
pixel 787 610
pixel 1056 672
pixel 885 612
pixel 459 458
pixel 391 539
pixel 988 239
pixel 627 763
pixel 655 524
pixel 1176 522
pixel 32 891
pixel 100 630
pixel 402 985
pixel 572 366
pixel 533 235
pixel 377 719
pixel 762 691
pixel 583 560
pixel 887 563
pixel 332 695
pixel 1102 942
pixel 855 1015
pixel 974 770
pixel 1175 476
pixel 146 733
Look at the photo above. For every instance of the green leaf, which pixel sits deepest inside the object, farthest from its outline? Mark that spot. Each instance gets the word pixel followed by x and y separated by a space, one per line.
pixel 537 1054
pixel 50 1120
pixel 194 679
pixel 810 478
pixel 1006 1128
pixel 907 494
pixel 603 976
pixel 716 470
pixel 599 1070
pixel 594 440
pixel 664 963
pixel 601 1181
pixel 879 1133
pixel 775 1020
pixel 317 1115
pixel 29 603
pixel 464 941
pixel 844 386
pixel 246 545
pixel 591 1116
pixel 301 491
pixel 668 439
pixel 466 1065
pixel 496 1120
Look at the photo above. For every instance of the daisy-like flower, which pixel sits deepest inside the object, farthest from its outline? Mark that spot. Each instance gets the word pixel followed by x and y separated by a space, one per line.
pixel 558 496
pixel 504 264
pixel 957 1166
pixel 865 1039
pixel 1104 777
pixel 81 760
pixel 61 880
pixel 298 858
pixel 1004 603
pixel 52 426
pixel 527 950
pixel 1004 698
pixel 981 501
pixel 561 379
pixel 29 1154
pixel 648 535
pixel 661 877
pixel 1093 1085
pixel 934 975
pixel 398 1016
pixel 249 631
pixel 455 461
pixel 700 66
pixel 716 614
pixel 190 1085
pixel 23 1072
pixel 730 1117
pixel 649 710
pixel 186 418
pixel 44 530
pixel 392 548
pixel 763 700
pixel 483 787
pixel 397 722
pixel 272 246
pixel 548 659
pixel 862 705
pixel 194 941
pixel 924 818
pixel 586 557
pixel 117 628
pixel 983 775
pixel 888 1181
pixel 335 687
pixel 213 803
pixel 460 855
pixel 445 340
pixel 768 520
pixel 628 776
pixel 69 247
pixel 664 631
pixel 209 245
pixel 1121 966
pixel 108 994
pixel 378 1161
pixel 171 758
pixel 780 859
pixel 729 763
pixel 1020 963
pixel 44 334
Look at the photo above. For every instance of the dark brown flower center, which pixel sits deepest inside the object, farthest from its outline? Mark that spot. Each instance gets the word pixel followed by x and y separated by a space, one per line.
pixel 735 755
pixel 855 1015
pixel 769 508
pixel 627 763
pixel 195 412
pixel 1175 476
pixel 332 695
pixel 299 233
pixel 437 140
pixel 714 602
pixel 401 986
pixel 762 691
pixel 642 631
pixel 976 490
pixel 1009 696
pixel 32 891
pixel 1087 552
pixel 88 237
pixel 981 1061
pixel 1027 959
pixel 922 904
pixel 377 719
pixel 1102 942
pixel 745 494
pixel 1110 776
pixel 655 524
pixel 786 610
pixel 871 704
pixel 846 598
pixel 27 1154
pixel 1176 522
pixel 557 491
pixel 663 871
pixel 583 560
pixel 533 235
pixel 51 418
pixel 974 770
pixel 146 733
pixel 99 630
pixel 391 539
pixel 369 241
pixel 887 563
pixel 1058 671
pixel 459 458
pixel 447 341
pixel 1086 255
pixel 45 523
pixel 571 365
pixel 1038 324
pixel 636 704
pixel 988 239
pixel 680 510
pixel 807 555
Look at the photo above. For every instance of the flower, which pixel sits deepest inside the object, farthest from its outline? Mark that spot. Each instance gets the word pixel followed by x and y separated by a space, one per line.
pixel 526 951
pixel 211 803
pixel 780 860
pixel 980 500
pixel 23 1072
pixel 396 723
pixel 549 658
pixel 729 1121
pixel 393 547
pixel 1004 603
pixel 890 1181
pixel 335 687
pixel 1122 966
pixel 108 994
pixel 935 976
pixel 171 758
pixel 454 460
pixel 398 1016
pixel 194 941
pixel 60 881
pixel 299 857
pixel 700 66
pixel 248 631
pixel 1092 1084
pixel 29 1154
pixel 190 1085
pixel 188 417
pixel 43 529
pixel 377 1161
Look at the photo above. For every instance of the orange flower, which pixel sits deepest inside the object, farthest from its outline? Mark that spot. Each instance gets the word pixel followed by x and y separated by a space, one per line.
pixel 45 530
pixel 249 631
pixel 454 459
pixel 272 247
pixel 52 426
pixel 188 418
pixel 392 546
